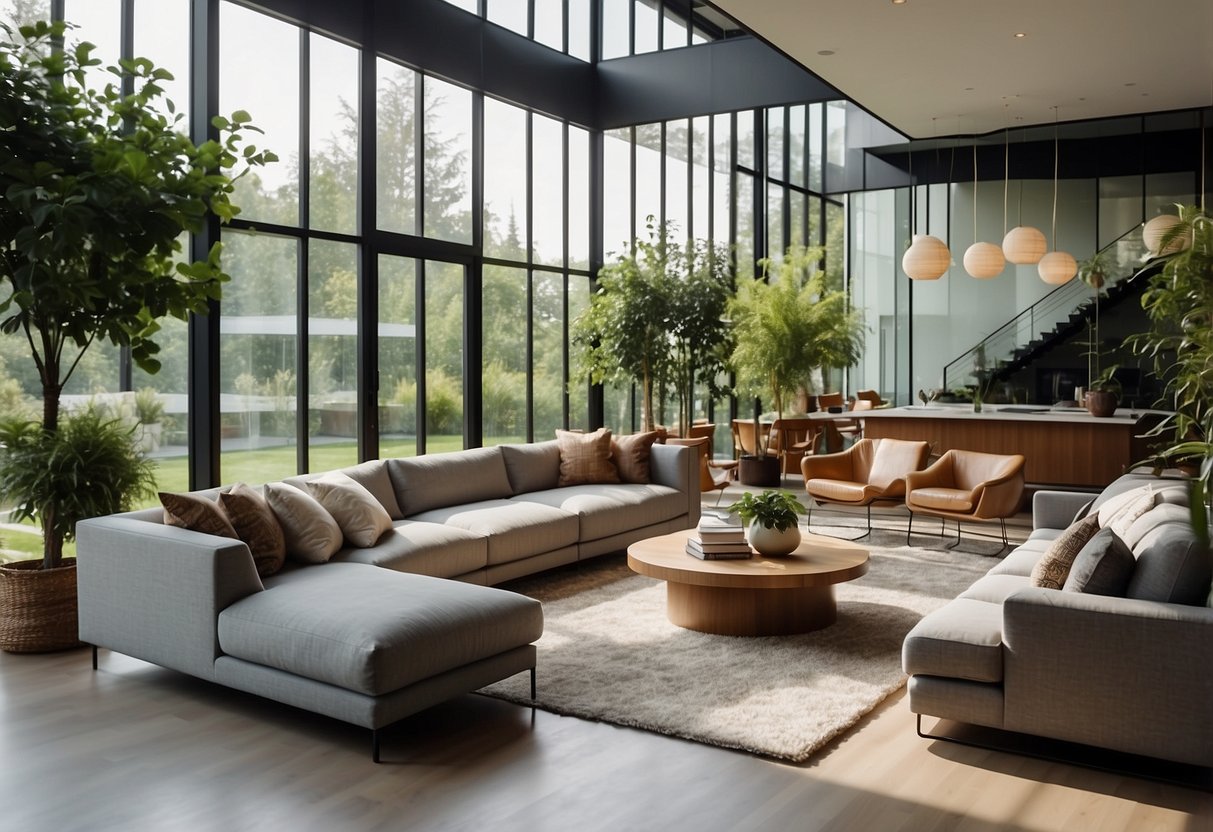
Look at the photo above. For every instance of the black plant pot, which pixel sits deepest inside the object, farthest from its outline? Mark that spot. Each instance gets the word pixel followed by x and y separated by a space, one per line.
pixel 759 470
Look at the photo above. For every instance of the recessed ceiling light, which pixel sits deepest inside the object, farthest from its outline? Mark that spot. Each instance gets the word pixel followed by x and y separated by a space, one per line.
pixel 968 89
pixel 1021 34
pixel 899 2
pixel 826 52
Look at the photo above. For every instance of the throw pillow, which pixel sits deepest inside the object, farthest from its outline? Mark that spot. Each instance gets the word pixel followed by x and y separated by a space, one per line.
pixel 631 455
pixel 1103 567
pixel 362 518
pixel 256 525
pixel 195 512
pixel 1114 505
pixel 1084 511
pixel 586 457
pixel 312 535
pixel 1054 565
pixel 1122 520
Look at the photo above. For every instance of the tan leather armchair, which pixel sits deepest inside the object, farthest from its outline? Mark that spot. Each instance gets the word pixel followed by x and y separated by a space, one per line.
pixel 870 471
pixel 967 485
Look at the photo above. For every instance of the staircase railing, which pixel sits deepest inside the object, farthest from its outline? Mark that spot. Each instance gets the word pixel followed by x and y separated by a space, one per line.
pixel 1120 259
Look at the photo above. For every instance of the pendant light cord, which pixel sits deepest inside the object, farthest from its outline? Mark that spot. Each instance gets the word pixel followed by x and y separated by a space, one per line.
pixel 975 189
pixel 1006 175
pixel 1056 153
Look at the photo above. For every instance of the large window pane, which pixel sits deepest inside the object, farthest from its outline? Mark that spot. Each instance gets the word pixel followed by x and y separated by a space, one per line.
pixel 448 169
pixel 579 407
pixel 745 225
pixel 504 331
pixel 395 148
pixel 505 220
pixel 443 356
pixel 745 139
pixel 674 31
pixel 677 210
pixel 31 11
pixel 99 23
pixel 549 23
pixel 796 146
pixel 547 182
pixel 816 114
pixel 509 13
pixel 616 23
pixel 334 136
pixel 162 35
pixel 579 198
pixel 332 355
pixel 397 356
pixel 548 361
pixel 257 371
pixel 775 239
pixel 775 131
pixel 646 24
pixel 617 191
pixel 579 29
pixel 648 175
pixel 722 177
pixel 797 223
pixel 700 176
pixel 259 72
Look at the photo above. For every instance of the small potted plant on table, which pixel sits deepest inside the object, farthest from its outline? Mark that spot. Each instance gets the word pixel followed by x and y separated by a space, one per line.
pixel 771 520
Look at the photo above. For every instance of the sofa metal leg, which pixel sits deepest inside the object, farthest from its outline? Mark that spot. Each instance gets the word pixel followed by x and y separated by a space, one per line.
pixel 532 684
pixel 374 745
pixel 94 657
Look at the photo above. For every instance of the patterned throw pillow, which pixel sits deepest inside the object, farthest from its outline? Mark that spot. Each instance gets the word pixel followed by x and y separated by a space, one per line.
pixel 362 518
pixel 256 525
pixel 312 535
pixel 1054 565
pixel 197 513
pixel 585 458
pixel 631 455
pixel 1103 567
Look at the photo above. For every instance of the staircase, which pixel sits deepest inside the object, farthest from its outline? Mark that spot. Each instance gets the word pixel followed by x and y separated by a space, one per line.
pixel 1068 311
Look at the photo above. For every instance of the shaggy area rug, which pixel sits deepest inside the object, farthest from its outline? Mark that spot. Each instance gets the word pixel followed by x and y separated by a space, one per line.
pixel 608 652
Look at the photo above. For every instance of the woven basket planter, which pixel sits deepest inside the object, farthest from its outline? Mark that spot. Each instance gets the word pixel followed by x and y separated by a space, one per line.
pixel 38 607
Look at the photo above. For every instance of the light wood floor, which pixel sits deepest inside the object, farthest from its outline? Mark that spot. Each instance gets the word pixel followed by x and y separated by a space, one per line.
pixel 135 747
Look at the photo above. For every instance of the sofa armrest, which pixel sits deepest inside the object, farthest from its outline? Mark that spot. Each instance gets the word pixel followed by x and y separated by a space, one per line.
pixel 1114 672
pixel 155 592
pixel 677 466
pixel 1056 509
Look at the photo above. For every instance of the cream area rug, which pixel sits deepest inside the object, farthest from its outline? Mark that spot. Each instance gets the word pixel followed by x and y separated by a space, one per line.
pixel 608 652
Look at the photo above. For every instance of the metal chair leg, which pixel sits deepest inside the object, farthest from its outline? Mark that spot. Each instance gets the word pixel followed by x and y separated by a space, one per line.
pixel 374 745
pixel 94 657
pixel 909 528
pixel 532 684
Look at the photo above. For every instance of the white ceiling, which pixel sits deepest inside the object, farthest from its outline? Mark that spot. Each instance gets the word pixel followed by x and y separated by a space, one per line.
pixel 943 67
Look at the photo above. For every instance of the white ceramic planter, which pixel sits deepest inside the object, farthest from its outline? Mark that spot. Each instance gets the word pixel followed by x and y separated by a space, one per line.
pixel 772 542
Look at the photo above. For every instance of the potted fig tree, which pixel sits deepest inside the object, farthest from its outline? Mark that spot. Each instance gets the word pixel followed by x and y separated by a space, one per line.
pixel 99 187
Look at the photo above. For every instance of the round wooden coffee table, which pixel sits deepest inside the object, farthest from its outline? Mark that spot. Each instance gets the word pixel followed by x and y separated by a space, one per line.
pixel 755 597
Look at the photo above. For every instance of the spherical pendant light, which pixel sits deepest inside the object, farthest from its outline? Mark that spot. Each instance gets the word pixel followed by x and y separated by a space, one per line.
pixel 927 258
pixel 1024 245
pixel 1057 267
pixel 984 260
pixel 1157 228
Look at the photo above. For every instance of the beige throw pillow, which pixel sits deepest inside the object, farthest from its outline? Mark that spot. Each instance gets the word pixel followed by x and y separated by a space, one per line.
pixel 1054 565
pixel 1121 521
pixel 1114 506
pixel 312 535
pixel 256 525
pixel 631 455
pixel 585 458
pixel 362 518
pixel 197 513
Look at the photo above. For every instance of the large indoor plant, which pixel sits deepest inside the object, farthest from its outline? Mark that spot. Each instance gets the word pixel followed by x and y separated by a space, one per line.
pixel 99 187
pixel 1179 303
pixel 657 318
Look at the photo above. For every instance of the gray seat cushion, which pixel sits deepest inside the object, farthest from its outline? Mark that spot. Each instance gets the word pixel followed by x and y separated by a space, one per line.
pixel 961 640
pixel 514 530
pixel 605 510
pixel 374 630
pixel 1021 560
pixel 995 588
pixel 1172 565
pixel 423 549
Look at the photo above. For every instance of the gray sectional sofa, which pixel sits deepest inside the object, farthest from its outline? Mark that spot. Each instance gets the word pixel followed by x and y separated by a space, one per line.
pixel 378 633
pixel 1130 674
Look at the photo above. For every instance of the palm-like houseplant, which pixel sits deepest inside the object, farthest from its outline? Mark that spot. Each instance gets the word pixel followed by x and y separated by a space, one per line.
pixel 98 187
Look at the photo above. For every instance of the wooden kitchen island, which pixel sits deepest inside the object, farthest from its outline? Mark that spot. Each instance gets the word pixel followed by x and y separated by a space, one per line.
pixel 1062 446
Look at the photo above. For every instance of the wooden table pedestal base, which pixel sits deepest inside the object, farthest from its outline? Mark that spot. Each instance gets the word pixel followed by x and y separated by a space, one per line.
pixel 732 611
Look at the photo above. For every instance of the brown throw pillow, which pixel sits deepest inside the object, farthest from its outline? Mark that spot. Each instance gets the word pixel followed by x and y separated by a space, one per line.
pixel 195 512
pixel 362 518
pixel 585 458
pixel 631 455
pixel 1054 565
pixel 312 535
pixel 256 525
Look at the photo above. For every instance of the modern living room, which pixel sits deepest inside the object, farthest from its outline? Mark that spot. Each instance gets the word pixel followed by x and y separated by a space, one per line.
pixel 435 192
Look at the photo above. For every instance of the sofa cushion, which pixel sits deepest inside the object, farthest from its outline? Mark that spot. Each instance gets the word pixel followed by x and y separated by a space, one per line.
pixel 1172 566
pixel 605 510
pixel 1022 559
pixel 514 529
pixel 423 549
pixel 312 535
pixel 1152 519
pixel 1103 567
pixel 197 513
pixel 362 518
pixel 434 481
pixel 631 453
pixel 586 457
pixel 532 467
pixel 960 640
pixel 373 476
pixel 995 588
pixel 1054 565
pixel 840 491
pixel 256 525
pixel 374 630
pixel 943 499
pixel 1120 513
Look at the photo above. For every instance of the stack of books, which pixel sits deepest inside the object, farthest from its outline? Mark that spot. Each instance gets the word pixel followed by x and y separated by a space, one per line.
pixel 717 539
